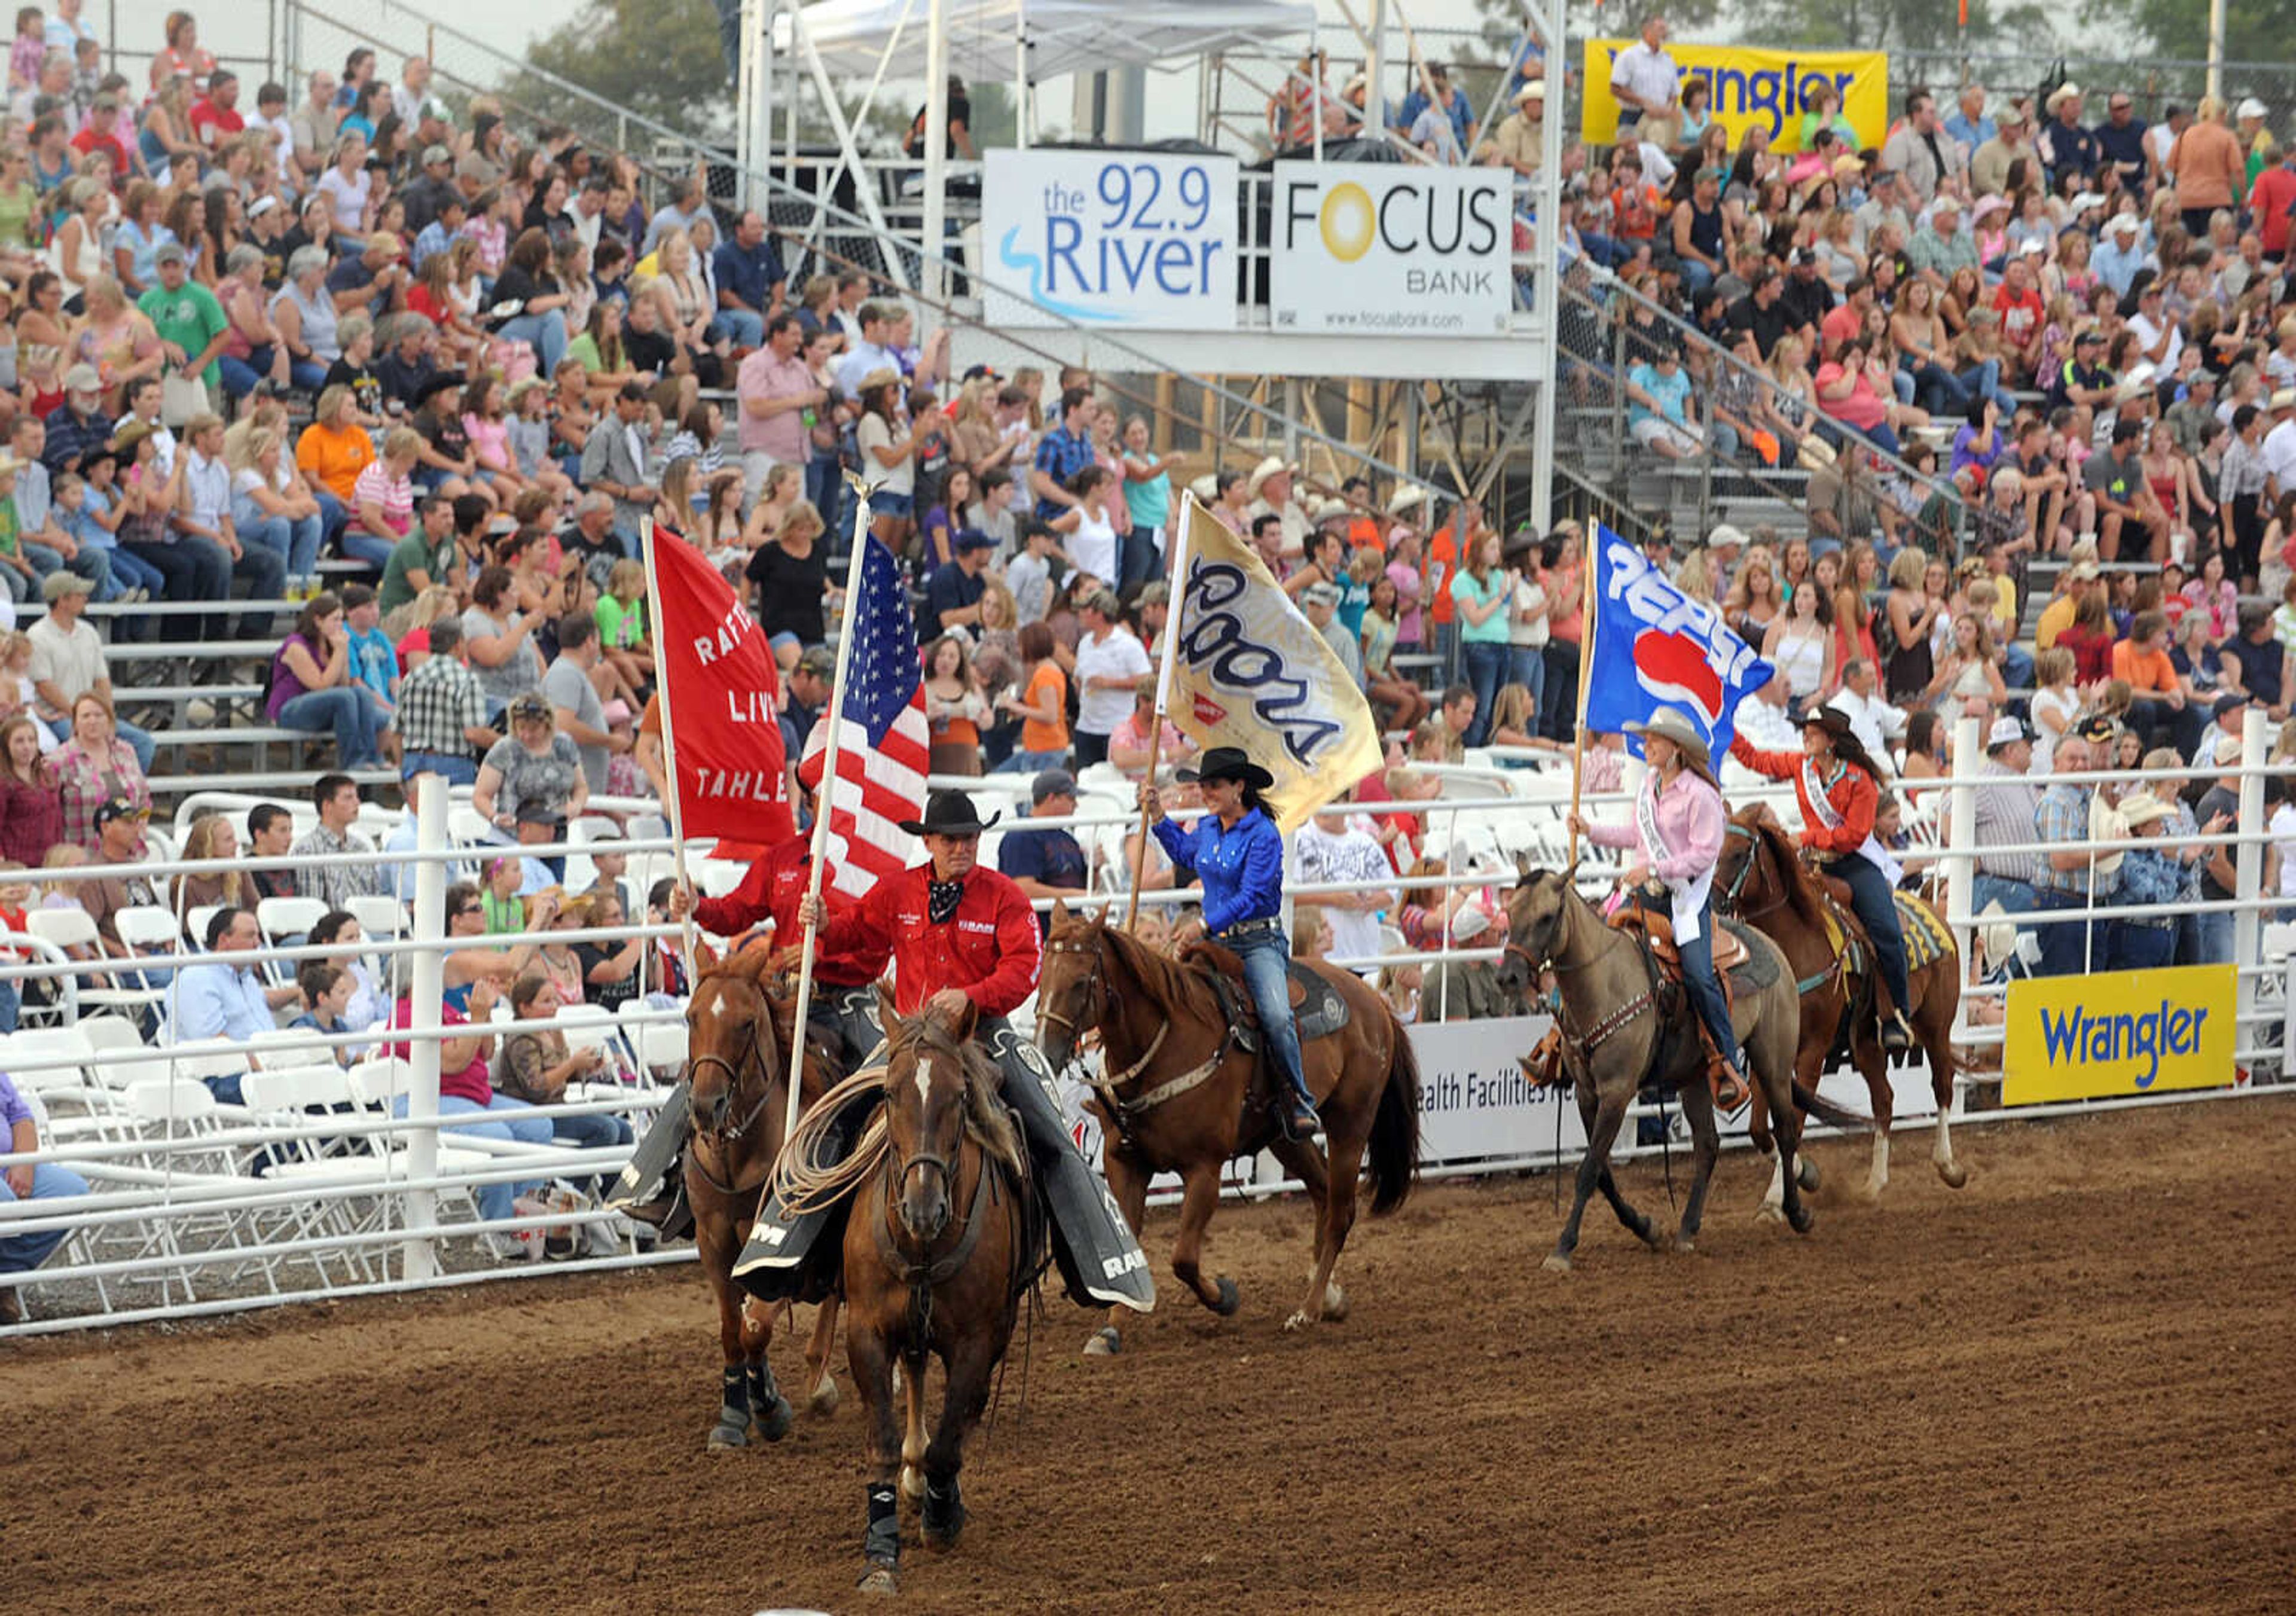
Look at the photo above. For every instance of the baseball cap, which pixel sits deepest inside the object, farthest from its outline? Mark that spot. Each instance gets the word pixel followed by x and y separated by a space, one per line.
pixel 820 661
pixel 435 154
pixel 2250 107
pixel 83 379
pixel 2230 701
pixel 2084 337
pixel 171 252
pixel 972 539
pixel 119 808
pixel 1052 783
pixel 2006 732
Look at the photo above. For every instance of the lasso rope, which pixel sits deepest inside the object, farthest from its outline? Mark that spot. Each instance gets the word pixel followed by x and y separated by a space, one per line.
pixel 802 1182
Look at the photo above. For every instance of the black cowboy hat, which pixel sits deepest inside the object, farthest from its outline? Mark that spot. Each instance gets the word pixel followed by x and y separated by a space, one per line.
pixel 1227 763
pixel 445 380
pixel 949 814
pixel 1832 720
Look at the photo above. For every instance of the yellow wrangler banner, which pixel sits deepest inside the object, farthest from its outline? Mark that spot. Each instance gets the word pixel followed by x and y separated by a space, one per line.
pixel 1251 672
pixel 2117 1034
pixel 1753 87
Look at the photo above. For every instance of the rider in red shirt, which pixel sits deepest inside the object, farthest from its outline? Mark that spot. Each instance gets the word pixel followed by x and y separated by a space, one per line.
pixel 1839 788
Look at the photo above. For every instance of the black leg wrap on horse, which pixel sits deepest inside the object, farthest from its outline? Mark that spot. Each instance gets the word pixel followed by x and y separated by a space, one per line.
pixel 1099 1258
pixel 943 1514
pixel 882 1544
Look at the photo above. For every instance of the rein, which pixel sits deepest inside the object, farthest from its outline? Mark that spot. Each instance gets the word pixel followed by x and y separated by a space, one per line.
pixel 1123 1111
pixel 926 1272
pixel 1734 893
pixel 726 1137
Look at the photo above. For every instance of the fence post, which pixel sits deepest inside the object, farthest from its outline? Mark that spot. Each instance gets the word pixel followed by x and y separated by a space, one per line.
pixel 2248 862
pixel 419 1257
pixel 1958 846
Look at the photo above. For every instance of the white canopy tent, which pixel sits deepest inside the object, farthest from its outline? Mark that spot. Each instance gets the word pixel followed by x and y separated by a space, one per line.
pixel 1031 40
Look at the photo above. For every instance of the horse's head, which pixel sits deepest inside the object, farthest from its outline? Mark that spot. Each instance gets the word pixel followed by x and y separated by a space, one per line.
pixel 1742 841
pixel 1072 988
pixel 929 1057
pixel 1535 912
pixel 732 1047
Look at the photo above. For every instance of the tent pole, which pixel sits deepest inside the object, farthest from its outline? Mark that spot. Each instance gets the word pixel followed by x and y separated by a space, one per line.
pixel 1547 269
pixel 930 278
pixel 1374 92
pixel 1021 75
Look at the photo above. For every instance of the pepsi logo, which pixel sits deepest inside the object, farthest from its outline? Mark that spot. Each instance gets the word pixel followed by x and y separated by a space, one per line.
pixel 1675 668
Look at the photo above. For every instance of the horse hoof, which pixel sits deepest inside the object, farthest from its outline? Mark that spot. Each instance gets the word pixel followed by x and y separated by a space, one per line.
pixel 1335 1303
pixel 913 1484
pixel 1297 1321
pixel 879 1579
pixel 1682 1245
pixel 1556 1264
pixel 726 1437
pixel 1230 1298
pixel 941 1529
pixel 1103 1342
pixel 824 1399
pixel 774 1423
pixel 1953 1174
pixel 1803 1219
pixel 1769 1212
pixel 1805 1172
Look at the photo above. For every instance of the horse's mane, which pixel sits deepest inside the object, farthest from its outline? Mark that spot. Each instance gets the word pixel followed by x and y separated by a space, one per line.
pixel 985 1118
pixel 1801 890
pixel 1164 977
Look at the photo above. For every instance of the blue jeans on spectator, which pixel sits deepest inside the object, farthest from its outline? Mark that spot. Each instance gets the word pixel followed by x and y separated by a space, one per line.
pixel 495 1200
pixel 241 377
pixel 334 516
pixel 11 1006
pixel 2204 938
pixel 1267 957
pixel 1446 649
pixel 307 375
pixel 139 740
pixel 1031 763
pixel 592 1132
pixel 455 771
pixel 2140 945
pixel 197 571
pixel 825 486
pixel 21 1253
pixel 745 326
pixel 1487 665
pixel 546 332
pixel 295 540
pixel 1558 704
pixel 2064 947
pixel 266 572
pixel 91 563
pixel 1527 667
pixel 2017 668
pixel 344 709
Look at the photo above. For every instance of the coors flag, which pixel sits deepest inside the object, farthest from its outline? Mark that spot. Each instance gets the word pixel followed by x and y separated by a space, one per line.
pixel 721 696
pixel 883 744
pixel 1251 672
pixel 1655 647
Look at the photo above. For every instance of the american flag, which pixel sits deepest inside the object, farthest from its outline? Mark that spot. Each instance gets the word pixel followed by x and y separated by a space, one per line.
pixel 883 746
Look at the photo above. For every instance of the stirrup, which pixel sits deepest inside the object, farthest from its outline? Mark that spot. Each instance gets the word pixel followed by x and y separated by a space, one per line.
pixel 1297 1118
pixel 1730 1090
pixel 1896 1037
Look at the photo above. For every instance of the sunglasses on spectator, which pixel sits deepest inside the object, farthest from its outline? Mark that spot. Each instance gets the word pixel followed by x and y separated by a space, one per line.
pixel 466 909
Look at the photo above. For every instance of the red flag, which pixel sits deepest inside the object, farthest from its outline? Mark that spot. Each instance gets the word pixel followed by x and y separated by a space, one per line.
pixel 721 698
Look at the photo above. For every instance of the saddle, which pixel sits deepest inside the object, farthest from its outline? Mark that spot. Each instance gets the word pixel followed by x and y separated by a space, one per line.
pixel 1655 928
pixel 1318 1008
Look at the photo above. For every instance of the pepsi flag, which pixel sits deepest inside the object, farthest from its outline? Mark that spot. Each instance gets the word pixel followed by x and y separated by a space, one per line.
pixel 1655 647
pixel 883 743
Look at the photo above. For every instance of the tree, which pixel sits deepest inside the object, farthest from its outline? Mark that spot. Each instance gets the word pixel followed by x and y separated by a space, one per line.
pixel 660 58
pixel 2255 32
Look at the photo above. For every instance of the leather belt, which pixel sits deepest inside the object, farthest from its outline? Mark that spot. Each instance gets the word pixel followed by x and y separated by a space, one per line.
pixel 1246 927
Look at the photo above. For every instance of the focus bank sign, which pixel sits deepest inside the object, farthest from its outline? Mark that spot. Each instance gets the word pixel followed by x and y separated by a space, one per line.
pixel 1120 239
pixel 2117 1034
pixel 1390 249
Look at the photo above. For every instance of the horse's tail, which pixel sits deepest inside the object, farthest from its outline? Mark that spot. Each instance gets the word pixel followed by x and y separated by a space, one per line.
pixel 1828 1112
pixel 1395 1128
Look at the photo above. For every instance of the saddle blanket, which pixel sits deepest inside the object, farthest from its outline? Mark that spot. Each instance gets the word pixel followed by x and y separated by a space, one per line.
pixel 1926 937
pixel 1317 1007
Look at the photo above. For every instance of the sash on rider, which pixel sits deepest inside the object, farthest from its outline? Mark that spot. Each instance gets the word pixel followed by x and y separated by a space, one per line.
pixel 1689 895
pixel 1814 797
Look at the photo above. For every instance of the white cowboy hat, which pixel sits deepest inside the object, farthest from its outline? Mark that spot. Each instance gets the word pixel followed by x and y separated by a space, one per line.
pixel 2141 806
pixel 1274 465
pixel 1670 724
pixel 1814 454
pixel 1206 489
pixel 1405 497
pixel 2061 95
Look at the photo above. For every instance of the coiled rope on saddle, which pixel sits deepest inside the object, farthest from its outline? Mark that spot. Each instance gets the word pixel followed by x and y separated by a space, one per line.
pixel 804 1182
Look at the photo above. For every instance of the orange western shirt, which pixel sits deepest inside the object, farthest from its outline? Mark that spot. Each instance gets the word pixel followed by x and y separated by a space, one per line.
pixel 1851 793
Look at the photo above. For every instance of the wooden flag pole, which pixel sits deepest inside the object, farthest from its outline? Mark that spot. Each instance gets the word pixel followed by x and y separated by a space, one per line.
pixel 1589 576
pixel 1178 591
pixel 669 755
pixel 820 850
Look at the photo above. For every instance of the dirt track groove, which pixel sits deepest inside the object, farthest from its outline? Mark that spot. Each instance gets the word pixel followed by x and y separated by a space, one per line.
pixel 2069 1387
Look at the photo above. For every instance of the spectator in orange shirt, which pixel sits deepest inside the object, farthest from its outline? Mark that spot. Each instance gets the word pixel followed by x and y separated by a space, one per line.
pixel 2160 708
pixel 1452 540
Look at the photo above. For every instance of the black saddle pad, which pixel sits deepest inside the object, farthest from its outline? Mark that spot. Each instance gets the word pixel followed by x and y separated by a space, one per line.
pixel 1759 968
pixel 1323 1011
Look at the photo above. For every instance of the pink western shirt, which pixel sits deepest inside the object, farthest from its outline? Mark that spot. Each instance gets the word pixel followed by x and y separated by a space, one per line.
pixel 1691 818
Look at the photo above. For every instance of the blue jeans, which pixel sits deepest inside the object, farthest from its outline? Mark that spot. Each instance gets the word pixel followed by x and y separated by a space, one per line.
pixel 1704 986
pixel 241 376
pixel 195 570
pixel 2204 938
pixel 1877 912
pixel 1267 956
pixel 19 1253
pixel 1031 763
pixel 592 1132
pixel 1487 665
pixel 344 709
pixel 2064 947
pixel 2139 945
pixel 825 486
pixel 91 563
pixel 545 332
pixel 307 375
pixel 133 572
pixel 295 540
pixel 11 1006
pixel 456 771
pixel 1446 649
pixel 745 326
pixel 139 740
pixel 494 1199
pixel 1527 667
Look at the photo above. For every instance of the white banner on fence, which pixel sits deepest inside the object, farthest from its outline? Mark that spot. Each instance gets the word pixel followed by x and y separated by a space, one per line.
pixel 1110 239
pixel 1474 1102
pixel 1390 249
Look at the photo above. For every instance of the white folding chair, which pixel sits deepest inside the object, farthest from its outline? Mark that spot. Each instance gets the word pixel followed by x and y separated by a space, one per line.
pixel 195 922
pixel 658 1038
pixel 379 914
pixel 95 1113
pixel 75 928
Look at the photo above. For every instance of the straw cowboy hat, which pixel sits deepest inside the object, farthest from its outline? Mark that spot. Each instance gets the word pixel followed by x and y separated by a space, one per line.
pixel 1404 498
pixel 949 814
pixel 1670 724
pixel 2141 806
pixel 1274 465
pixel 1814 454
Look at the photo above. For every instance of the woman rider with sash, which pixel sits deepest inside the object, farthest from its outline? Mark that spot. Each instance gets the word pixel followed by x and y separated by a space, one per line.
pixel 1679 824
pixel 1840 789
pixel 1237 852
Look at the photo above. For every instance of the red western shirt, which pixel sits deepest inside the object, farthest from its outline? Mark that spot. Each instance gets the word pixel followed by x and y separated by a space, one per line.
pixel 989 949
pixel 772 890
pixel 1851 793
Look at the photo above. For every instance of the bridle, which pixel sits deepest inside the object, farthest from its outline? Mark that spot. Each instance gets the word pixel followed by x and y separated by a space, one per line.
pixel 921 1273
pixel 727 1135
pixel 1734 892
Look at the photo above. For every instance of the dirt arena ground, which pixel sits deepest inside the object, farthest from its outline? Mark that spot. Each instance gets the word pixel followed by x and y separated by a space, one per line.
pixel 2069 1387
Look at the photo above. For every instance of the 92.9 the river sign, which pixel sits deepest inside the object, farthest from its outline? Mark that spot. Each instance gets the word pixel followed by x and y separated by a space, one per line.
pixel 1115 240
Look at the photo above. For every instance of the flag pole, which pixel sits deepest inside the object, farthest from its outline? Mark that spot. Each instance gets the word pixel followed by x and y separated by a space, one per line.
pixel 1163 691
pixel 1589 615
pixel 668 754
pixel 820 849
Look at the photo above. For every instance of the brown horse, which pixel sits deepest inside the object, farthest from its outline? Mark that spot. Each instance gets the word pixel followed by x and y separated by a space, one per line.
pixel 1759 879
pixel 737 1028
pixel 1178 1096
pixel 944 1239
